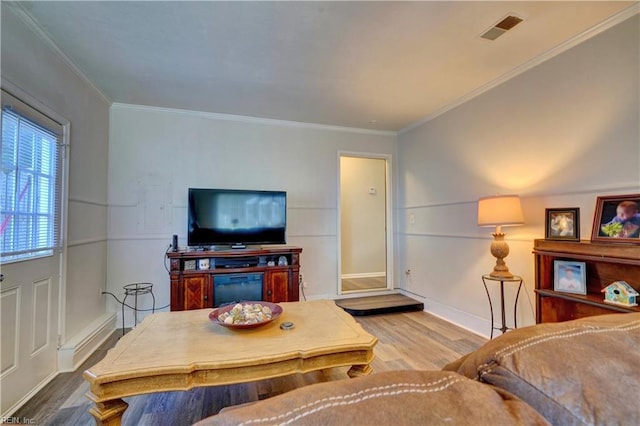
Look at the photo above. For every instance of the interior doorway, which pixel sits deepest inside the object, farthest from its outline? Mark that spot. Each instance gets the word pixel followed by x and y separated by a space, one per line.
pixel 364 212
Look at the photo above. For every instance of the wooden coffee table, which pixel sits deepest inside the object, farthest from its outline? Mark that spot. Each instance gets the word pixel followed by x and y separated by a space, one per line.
pixel 182 350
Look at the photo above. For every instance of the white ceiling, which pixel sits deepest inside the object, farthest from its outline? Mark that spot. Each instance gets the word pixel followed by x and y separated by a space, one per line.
pixel 375 65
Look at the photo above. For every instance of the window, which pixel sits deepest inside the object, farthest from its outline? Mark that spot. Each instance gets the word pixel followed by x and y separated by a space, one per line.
pixel 30 187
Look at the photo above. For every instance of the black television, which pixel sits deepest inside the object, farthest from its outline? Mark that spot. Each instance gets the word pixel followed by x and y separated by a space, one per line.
pixel 236 217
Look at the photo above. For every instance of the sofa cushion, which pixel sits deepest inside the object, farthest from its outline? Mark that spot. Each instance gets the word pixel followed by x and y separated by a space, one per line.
pixel 584 371
pixel 399 397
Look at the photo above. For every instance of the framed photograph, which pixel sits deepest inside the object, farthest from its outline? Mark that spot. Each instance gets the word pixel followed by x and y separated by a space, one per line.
pixel 569 276
pixel 562 224
pixel 617 219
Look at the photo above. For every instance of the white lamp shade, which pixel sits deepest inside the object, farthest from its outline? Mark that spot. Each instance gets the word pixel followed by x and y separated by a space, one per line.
pixel 500 210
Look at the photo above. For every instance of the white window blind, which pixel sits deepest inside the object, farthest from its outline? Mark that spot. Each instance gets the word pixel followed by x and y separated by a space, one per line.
pixel 30 191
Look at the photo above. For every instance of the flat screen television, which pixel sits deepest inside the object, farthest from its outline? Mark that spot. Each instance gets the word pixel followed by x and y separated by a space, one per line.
pixel 236 218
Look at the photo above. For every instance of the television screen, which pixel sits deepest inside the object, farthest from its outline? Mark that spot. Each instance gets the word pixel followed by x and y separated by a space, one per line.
pixel 236 217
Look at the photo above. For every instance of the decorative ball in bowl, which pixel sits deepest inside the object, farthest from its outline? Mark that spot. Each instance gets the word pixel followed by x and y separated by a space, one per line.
pixel 245 314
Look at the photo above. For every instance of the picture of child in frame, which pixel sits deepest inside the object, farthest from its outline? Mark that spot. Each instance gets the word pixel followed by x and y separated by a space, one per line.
pixel 625 223
pixel 569 276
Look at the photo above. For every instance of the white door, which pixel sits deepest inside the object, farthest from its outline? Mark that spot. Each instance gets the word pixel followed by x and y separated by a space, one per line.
pixel 29 327
pixel 30 250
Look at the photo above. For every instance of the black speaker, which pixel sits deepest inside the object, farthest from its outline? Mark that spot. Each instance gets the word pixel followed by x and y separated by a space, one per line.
pixel 174 243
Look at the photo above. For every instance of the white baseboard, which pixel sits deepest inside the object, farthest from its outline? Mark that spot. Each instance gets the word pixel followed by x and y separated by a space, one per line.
pixel 364 275
pixel 317 297
pixel 73 353
pixel 472 323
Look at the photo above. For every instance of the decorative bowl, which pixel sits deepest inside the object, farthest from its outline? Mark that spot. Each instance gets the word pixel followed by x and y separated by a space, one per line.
pixel 276 310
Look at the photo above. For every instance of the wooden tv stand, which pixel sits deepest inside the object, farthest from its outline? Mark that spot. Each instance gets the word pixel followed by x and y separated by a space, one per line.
pixel 192 288
pixel 605 263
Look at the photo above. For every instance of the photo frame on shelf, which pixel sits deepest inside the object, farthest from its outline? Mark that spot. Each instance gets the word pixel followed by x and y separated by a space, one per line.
pixel 617 219
pixel 569 276
pixel 562 224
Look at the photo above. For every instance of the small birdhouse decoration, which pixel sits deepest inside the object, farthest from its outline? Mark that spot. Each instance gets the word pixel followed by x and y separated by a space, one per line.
pixel 620 293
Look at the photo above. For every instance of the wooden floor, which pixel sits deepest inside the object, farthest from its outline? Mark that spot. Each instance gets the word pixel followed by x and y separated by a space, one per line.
pixel 414 340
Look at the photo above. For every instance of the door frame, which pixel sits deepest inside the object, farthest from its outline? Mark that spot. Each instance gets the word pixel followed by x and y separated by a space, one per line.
pixel 34 103
pixel 57 321
pixel 389 219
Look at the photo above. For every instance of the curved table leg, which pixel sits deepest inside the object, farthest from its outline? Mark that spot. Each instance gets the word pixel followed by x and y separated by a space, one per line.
pixel 359 370
pixel 109 413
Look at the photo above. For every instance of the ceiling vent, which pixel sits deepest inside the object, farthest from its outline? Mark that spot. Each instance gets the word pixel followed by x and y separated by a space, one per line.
pixel 501 27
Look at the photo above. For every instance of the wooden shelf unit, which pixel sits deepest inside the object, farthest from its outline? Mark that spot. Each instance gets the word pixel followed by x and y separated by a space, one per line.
pixel 605 263
pixel 193 288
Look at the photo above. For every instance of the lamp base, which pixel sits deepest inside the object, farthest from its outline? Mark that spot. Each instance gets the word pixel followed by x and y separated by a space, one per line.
pixel 501 274
pixel 500 250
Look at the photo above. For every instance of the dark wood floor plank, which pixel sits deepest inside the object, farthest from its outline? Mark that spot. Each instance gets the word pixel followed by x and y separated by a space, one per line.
pixel 412 340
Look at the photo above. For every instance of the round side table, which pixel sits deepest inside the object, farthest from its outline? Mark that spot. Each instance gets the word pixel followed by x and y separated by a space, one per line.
pixel 135 290
pixel 502 280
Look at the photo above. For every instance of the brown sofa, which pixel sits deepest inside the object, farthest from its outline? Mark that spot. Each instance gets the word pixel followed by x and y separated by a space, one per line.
pixel 578 372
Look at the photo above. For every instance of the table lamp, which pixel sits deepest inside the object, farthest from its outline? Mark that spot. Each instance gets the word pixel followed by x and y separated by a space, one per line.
pixel 499 211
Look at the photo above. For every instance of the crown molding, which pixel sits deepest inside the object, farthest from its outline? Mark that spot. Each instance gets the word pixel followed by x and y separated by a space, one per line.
pixel 563 47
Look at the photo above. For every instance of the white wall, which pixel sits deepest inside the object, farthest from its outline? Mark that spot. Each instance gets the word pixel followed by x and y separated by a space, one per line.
pixel 559 135
pixel 156 154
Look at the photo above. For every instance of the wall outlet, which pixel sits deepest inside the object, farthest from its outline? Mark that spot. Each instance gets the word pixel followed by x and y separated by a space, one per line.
pixel 101 290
